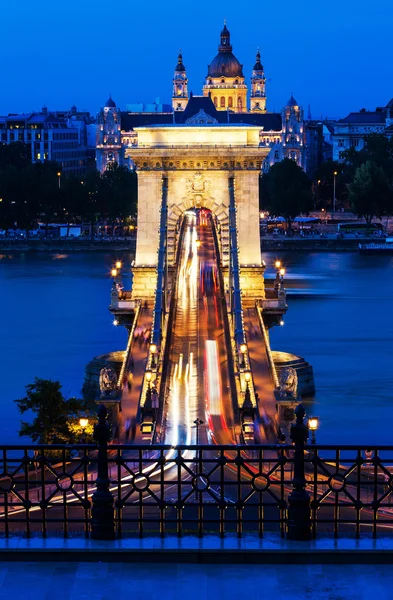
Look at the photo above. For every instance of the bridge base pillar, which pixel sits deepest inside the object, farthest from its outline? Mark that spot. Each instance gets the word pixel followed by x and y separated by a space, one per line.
pixel 144 283
pixel 252 284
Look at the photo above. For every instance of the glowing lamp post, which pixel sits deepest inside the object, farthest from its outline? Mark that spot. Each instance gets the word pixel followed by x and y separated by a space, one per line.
pixel 247 393
pixel 83 422
pixel 334 191
pixel 153 350
pixel 243 350
pixel 313 424
pixel 58 177
pixel 114 274
pixel 118 265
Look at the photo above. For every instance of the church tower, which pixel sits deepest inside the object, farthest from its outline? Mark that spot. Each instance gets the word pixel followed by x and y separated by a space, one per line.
pixel 225 79
pixel 180 85
pixel 293 132
pixel 258 94
pixel 108 138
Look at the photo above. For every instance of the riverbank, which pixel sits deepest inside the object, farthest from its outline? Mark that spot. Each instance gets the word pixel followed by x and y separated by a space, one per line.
pixel 67 246
pixel 312 244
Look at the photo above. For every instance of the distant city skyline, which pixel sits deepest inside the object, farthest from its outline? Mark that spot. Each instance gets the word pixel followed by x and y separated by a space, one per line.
pixel 337 62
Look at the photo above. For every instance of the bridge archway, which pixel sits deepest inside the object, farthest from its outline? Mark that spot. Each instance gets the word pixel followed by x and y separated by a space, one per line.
pixel 219 210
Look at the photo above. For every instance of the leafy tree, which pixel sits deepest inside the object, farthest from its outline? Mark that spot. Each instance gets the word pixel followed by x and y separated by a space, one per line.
pixel 286 191
pixel 16 154
pixel 324 179
pixel 370 193
pixel 54 413
pixel 119 190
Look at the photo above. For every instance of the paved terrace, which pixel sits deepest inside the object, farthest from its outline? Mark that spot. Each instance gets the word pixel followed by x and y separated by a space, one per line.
pixel 207 569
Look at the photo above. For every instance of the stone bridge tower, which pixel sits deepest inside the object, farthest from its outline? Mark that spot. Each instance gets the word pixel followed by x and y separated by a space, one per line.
pixel 197 160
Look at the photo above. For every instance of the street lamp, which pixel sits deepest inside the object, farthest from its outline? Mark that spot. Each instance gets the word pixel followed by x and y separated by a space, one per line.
pixel 58 176
pixel 282 273
pixel 313 424
pixel 153 350
pixel 247 392
pixel 277 264
pixel 243 350
pixel 118 265
pixel 198 423
pixel 114 274
pixel 148 378
pixel 334 191
pixel 83 422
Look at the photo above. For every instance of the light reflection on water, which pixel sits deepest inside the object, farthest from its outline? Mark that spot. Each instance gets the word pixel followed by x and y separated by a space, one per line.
pixel 54 318
pixel 341 322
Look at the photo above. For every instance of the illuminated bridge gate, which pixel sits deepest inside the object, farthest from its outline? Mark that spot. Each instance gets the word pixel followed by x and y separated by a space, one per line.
pixel 198 163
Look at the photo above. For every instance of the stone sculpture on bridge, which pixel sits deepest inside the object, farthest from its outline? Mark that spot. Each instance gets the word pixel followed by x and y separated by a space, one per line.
pixel 108 382
pixel 288 382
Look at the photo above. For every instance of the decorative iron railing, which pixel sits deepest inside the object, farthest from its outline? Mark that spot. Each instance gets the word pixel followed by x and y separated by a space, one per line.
pixel 158 490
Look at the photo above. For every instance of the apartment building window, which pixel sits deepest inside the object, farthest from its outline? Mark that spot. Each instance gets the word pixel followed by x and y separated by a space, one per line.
pixel 341 143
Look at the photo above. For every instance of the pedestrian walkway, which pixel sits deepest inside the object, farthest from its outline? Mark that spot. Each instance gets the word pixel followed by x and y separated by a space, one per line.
pixel 260 369
pixel 177 581
pixel 136 364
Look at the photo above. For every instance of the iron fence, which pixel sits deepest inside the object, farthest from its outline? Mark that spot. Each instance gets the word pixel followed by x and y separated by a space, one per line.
pixel 158 490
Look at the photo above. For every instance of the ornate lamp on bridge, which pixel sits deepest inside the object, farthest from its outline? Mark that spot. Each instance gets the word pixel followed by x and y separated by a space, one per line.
pixel 153 350
pixel 243 350
pixel 299 512
pixel 247 393
pixel 313 424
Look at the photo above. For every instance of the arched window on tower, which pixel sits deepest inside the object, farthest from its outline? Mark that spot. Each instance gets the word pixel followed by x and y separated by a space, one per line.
pixel 230 102
pixel 239 103
pixel 222 102
pixel 215 101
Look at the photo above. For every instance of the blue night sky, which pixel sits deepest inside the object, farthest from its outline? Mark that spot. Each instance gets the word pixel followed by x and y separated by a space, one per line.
pixel 335 55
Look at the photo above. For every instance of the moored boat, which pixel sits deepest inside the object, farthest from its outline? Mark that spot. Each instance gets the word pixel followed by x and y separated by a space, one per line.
pixel 385 247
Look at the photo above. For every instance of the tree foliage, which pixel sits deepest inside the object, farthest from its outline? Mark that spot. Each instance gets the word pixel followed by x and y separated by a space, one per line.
pixel 370 192
pixel 55 415
pixel 286 191
pixel 30 193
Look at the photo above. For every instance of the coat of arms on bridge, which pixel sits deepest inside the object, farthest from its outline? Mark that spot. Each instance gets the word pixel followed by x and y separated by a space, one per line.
pixel 198 191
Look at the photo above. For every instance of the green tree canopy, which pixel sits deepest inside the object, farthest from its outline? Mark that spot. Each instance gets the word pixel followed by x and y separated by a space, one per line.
pixel 286 191
pixel 53 412
pixel 370 193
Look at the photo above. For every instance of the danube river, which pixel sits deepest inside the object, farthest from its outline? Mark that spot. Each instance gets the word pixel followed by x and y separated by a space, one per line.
pixel 54 318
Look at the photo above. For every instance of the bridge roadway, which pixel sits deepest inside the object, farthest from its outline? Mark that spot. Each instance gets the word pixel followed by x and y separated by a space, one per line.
pixel 198 318
pixel 198 386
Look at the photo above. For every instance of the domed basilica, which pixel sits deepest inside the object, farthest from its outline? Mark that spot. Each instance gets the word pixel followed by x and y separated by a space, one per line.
pixel 224 101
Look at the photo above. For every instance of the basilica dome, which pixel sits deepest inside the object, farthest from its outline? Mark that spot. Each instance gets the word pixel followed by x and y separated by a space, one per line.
pixel 225 64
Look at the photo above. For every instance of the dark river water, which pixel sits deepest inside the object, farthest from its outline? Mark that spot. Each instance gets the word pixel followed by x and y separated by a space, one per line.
pixel 54 318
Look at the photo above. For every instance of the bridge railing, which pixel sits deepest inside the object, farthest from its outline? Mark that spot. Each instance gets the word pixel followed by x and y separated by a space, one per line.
pixel 158 490
pixel 127 353
pixel 269 354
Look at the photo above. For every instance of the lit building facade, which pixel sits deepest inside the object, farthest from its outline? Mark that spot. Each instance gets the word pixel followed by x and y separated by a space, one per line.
pixel 58 136
pixel 224 100
pixel 350 131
